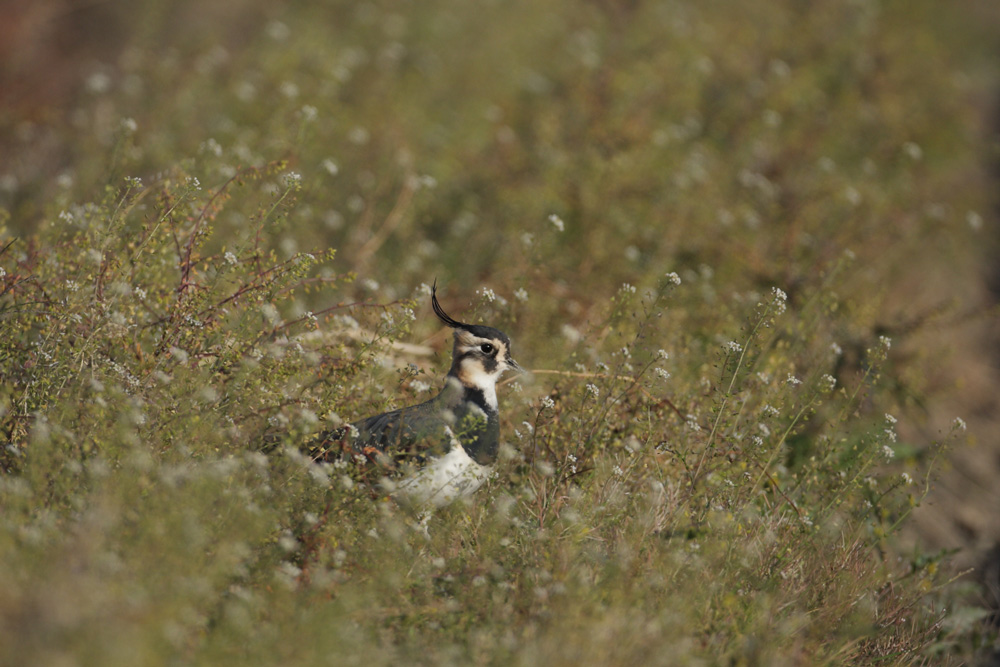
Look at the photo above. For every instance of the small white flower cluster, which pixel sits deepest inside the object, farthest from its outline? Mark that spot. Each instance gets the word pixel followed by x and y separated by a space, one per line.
pixel 309 113
pixel 673 278
pixel 779 299
pixel 890 422
pixel 292 179
pixel 662 373
pixel 593 390
pixel 828 382
pixel 230 257
pixel 769 411
pixel 906 478
pixel 628 289
pixel 732 346
pixel 521 294
pixel 572 463
pixel 885 342
pixel 662 354
pixel 959 424
pixel 129 125
pixel 888 452
pixel 692 423
pixel 487 294
pixel 419 386
pixel 548 403
pixel 212 146
pixel 836 349
pixel 792 380
pixel 557 222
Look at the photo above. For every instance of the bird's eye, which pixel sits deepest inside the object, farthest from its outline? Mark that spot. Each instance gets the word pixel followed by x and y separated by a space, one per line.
pixel 487 348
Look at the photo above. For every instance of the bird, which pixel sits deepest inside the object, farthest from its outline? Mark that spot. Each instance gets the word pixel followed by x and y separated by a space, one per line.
pixel 445 448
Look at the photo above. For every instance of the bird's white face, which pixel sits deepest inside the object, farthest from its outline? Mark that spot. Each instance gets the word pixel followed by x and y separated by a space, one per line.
pixel 482 360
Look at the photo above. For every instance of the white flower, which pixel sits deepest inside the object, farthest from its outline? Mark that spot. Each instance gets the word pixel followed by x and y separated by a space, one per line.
pixel 974 220
pixel 779 299
pixel 890 419
pixel 792 380
pixel 557 222
pixel 212 146
pixel 906 478
pixel 330 166
pixel 230 257
pixel 836 349
pixel 885 341
pixel 959 424
pixel 630 289
pixel 732 346
pixel 548 403
pixel 309 113
pixel 521 294
pixel 293 179
pixel 129 125
pixel 662 373
pixel 662 354
pixel 488 294
pixel 888 452
pixel 571 333
pixel 593 390
pixel 673 278
pixel 769 411
pixel 829 382
pixel 618 471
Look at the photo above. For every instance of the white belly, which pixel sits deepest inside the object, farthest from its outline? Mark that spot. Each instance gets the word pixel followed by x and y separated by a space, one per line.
pixel 443 480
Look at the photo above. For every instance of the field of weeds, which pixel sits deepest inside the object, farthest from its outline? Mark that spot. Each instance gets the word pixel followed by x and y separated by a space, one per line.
pixel 731 243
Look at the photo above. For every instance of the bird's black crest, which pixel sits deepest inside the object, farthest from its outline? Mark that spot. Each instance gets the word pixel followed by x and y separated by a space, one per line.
pixel 474 329
pixel 443 316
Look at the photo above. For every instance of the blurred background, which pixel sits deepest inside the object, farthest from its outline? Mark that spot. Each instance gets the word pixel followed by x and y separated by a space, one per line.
pixel 742 145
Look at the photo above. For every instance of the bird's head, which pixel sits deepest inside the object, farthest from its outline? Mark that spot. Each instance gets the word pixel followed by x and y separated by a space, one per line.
pixel 481 355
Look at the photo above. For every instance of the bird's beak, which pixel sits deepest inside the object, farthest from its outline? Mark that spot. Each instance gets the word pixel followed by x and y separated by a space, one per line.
pixel 513 365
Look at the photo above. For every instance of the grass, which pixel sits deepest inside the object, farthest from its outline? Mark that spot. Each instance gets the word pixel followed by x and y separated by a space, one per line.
pixel 730 242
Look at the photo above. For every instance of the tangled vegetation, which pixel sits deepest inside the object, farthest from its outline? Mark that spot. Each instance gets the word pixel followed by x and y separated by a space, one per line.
pixel 726 239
